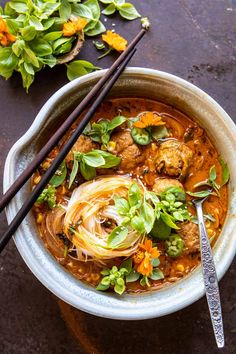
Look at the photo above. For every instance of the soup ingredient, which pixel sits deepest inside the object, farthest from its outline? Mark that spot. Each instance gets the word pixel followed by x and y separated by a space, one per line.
pixel 135 210
pixel 113 277
pixel 189 233
pixel 79 68
pixel 162 184
pixel 148 126
pixel 148 119
pixel 140 136
pixel 59 176
pixel 5 36
pixel 160 230
pixel 211 181
pixel 88 162
pixel 90 209
pixel 48 196
pixel 174 246
pixel 130 154
pixel 143 258
pixel 83 144
pixel 126 10
pixel 101 131
pixel 173 158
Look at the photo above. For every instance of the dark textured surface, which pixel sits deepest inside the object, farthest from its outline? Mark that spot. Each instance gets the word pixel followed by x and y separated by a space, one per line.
pixel 196 40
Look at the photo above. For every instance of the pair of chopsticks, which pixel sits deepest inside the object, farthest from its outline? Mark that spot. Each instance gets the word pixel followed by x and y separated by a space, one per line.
pixel 96 96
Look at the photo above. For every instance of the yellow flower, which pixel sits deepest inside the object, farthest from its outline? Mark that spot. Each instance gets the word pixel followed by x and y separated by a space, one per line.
pixel 144 256
pixel 5 37
pixel 74 26
pixel 115 41
pixel 148 119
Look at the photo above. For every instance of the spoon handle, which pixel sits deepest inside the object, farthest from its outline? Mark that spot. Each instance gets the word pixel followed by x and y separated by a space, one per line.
pixel 210 280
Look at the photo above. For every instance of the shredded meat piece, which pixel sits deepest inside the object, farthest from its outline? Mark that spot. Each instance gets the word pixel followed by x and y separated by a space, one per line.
pixel 83 144
pixel 162 184
pixel 129 152
pixel 189 232
pixel 173 158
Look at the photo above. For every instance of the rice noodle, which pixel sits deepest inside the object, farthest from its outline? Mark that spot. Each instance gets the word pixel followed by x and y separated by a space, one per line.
pixel 90 204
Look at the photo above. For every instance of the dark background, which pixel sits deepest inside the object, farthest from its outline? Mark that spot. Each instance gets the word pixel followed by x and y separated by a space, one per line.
pixel 196 40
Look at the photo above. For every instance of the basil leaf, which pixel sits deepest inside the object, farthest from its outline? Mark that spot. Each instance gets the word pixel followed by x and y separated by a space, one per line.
pixel 27 79
pixel 59 176
pixel 19 7
pixel 52 36
pixel 29 68
pixel 132 276
pixel 117 236
pixel 18 47
pixel 134 195
pixel 34 22
pixel 152 196
pixel 97 28
pixel 65 9
pixel 93 7
pixel 225 172
pixel 88 172
pixel 212 174
pixel 30 57
pixel 102 287
pixel 159 132
pixel 121 205
pixel 119 288
pixel 50 60
pixel 178 216
pixel 110 159
pixel 128 11
pixel 168 220
pixel 94 159
pixel 148 215
pixel 12 25
pixel 201 194
pixel 160 230
pixel 79 68
pixel 41 47
pixel 137 224
pixel 156 274
pixel 116 122
pixel 61 41
pixel 28 33
pixel 109 10
pixel 74 171
pixel 82 11
pixel 127 264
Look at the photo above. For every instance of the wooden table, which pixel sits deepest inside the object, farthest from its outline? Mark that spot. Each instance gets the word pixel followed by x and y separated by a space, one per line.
pixel 195 40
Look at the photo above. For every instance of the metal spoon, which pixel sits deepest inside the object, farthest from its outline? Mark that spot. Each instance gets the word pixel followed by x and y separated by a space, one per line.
pixel 210 277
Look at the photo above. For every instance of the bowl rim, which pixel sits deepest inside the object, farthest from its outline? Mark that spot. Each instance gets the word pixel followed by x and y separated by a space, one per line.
pixel 132 313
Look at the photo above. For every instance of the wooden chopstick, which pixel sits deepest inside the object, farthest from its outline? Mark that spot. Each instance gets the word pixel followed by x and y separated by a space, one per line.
pixel 43 153
pixel 62 154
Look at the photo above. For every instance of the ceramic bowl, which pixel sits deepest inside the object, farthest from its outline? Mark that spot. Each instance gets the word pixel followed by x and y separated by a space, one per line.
pixel 137 82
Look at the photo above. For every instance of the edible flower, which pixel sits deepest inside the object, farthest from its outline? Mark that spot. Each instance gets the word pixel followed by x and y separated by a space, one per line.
pixel 149 119
pixel 72 27
pixel 144 256
pixel 115 41
pixel 5 37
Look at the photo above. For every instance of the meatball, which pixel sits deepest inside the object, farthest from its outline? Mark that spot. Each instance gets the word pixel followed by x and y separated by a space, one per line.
pixel 130 153
pixel 189 232
pixel 83 144
pixel 163 183
pixel 173 158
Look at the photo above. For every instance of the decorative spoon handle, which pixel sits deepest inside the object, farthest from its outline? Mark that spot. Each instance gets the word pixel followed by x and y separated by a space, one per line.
pixel 210 279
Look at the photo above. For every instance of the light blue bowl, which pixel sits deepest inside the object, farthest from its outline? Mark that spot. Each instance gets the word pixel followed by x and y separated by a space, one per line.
pixel 134 82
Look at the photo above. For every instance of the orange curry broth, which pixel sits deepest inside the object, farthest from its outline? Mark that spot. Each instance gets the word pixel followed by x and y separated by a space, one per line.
pixel 205 156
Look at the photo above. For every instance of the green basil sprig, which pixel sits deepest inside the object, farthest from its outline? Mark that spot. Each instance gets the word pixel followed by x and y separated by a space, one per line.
pixel 126 10
pixel 101 131
pixel 59 176
pixel 88 162
pixel 211 181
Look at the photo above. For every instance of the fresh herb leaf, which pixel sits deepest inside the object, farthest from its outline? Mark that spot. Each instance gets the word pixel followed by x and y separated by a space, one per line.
pixel 156 274
pixel 201 194
pixel 59 176
pixel 160 230
pixel 74 171
pixel 132 276
pixel 79 68
pixel 134 195
pixel 88 172
pixel 225 172
pixel 122 205
pixel 128 11
pixel 117 236
pixel 99 45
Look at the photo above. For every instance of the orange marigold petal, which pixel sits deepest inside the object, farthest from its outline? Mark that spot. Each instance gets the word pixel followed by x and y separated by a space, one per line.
pixel 3 25
pixel 148 119
pixel 81 23
pixel 11 37
pixel 115 41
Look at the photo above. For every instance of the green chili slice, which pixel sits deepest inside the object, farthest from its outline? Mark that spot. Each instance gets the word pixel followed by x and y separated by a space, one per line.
pixel 140 136
pixel 174 246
